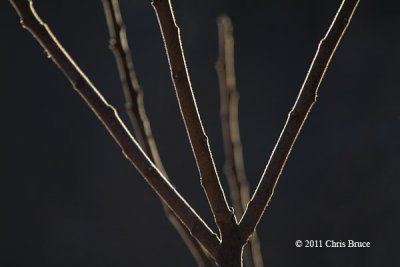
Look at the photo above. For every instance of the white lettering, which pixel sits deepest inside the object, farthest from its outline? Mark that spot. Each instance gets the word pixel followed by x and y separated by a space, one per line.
pixel 335 244
pixel 358 244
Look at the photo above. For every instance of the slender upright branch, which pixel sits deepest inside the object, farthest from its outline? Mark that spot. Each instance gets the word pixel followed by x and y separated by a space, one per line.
pixel 234 163
pixel 223 216
pixel 132 91
pixel 229 101
pixel 111 120
pixel 134 107
pixel 296 118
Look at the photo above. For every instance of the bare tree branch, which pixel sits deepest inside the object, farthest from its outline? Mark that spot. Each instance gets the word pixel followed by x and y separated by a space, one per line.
pixel 134 106
pixel 234 163
pixel 226 250
pixel 109 117
pixel 223 216
pixel 133 92
pixel 296 118
pixel 229 101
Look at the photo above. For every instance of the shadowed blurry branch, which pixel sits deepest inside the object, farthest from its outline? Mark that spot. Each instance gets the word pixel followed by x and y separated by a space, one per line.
pixel 133 93
pixel 109 117
pixel 234 163
pixel 296 118
pixel 229 100
pixel 134 106
pixel 223 216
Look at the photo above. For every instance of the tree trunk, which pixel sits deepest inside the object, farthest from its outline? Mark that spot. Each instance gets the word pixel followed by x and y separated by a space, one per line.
pixel 231 254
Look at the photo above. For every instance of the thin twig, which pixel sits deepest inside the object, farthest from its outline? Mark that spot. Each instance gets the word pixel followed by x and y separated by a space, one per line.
pixel 296 118
pixel 223 216
pixel 234 163
pixel 134 107
pixel 229 101
pixel 133 92
pixel 111 120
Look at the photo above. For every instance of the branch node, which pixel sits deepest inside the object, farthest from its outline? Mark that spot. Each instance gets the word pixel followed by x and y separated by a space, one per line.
pixel 177 75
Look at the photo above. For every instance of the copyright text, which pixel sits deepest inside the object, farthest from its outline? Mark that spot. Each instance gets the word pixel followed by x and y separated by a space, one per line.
pixel 332 244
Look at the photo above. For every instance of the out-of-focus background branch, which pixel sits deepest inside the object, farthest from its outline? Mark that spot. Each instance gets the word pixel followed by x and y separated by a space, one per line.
pixel 341 181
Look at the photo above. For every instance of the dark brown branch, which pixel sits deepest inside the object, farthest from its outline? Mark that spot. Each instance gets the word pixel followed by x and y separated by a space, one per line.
pixel 296 118
pixel 134 107
pixel 199 141
pixel 109 117
pixel 234 163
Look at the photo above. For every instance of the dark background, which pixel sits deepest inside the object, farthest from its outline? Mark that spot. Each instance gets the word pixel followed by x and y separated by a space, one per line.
pixel 69 198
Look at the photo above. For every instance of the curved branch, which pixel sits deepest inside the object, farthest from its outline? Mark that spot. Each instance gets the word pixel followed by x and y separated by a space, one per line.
pixel 296 118
pixel 110 119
